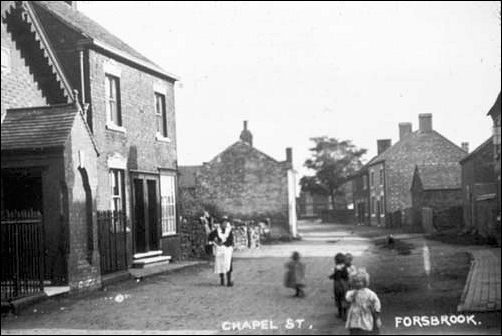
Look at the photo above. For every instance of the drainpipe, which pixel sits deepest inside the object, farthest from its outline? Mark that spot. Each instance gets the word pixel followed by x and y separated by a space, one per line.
pixel 82 78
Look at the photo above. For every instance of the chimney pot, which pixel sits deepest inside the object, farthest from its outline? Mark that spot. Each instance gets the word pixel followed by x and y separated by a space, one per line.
pixel 425 122
pixel 465 147
pixel 405 129
pixel 246 135
pixel 289 155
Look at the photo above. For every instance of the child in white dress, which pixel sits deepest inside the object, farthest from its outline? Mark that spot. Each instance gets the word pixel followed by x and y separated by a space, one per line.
pixel 363 317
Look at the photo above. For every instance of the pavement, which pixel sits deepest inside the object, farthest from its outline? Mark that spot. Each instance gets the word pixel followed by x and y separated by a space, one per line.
pixel 482 289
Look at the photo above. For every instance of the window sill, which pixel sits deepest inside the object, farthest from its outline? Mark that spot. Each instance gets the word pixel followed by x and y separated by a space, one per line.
pixel 161 138
pixel 115 128
pixel 167 235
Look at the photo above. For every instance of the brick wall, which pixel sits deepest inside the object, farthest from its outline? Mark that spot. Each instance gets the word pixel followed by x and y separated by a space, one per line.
pixel 137 144
pixel 81 183
pixel 246 184
pixel 19 88
pixel 426 148
pixel 377 193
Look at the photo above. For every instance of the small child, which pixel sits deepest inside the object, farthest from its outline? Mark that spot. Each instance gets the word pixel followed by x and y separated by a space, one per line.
pixel 364 313
pixel 295 275
pixel 340 284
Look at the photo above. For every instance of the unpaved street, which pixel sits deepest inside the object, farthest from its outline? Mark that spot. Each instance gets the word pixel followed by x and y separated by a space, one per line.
pixel 192 301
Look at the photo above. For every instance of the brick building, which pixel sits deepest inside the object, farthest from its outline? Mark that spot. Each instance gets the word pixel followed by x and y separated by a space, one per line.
pixel 130 110
pixel 390 174
pixel 245 183
pixel 48 166
pixel 128 106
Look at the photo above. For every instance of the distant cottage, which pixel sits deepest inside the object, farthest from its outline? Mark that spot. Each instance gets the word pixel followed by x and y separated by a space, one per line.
pixel 382 188
pixel 244 182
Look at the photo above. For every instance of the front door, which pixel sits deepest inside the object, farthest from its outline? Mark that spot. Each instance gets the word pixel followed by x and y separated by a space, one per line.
pixel 145 212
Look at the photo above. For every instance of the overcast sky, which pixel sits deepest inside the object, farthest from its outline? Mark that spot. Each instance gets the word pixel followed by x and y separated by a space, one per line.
pixel 298 70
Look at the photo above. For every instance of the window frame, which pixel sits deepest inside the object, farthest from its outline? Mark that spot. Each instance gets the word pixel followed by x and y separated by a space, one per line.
pixel 168 205
pixel 112 83
pixel 161 121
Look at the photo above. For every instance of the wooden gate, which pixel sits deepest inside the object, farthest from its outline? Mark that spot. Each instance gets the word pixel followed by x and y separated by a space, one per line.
pixel 112 241
pixel 22 253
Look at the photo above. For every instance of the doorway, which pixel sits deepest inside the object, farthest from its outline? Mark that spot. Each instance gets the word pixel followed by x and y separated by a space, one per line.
pixel 145 212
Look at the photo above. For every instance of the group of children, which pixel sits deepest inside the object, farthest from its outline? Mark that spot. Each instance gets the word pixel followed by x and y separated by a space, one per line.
pixel 358 305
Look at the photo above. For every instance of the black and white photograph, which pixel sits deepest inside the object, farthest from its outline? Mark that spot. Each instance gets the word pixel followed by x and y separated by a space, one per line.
pixel 250 168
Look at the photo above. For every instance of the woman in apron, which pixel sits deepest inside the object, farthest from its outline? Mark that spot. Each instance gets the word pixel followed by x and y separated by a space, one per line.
pixel 224 241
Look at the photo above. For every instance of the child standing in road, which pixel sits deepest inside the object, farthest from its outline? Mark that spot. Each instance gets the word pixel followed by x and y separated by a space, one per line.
pixel 340 284
pixel 295 275
pixel 364 313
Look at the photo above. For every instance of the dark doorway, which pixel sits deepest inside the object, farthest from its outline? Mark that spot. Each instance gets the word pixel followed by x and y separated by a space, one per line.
pixel 22 189
pixel 139 216
pixel 152 214
pixel 146 213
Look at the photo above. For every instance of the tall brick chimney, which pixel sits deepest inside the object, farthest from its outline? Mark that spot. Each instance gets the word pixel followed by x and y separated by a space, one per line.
pixel 425 122
pixel 289 155
pixel 246 135
pixel 465 147
pixel 382 145
pixel 404 130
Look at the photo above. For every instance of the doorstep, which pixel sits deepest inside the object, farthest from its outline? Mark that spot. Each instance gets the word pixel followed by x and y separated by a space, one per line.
pixel 139 273
pixel 56 290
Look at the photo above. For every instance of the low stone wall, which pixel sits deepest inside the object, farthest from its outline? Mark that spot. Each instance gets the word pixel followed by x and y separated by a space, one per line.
pixel 246 235
pixel 193 239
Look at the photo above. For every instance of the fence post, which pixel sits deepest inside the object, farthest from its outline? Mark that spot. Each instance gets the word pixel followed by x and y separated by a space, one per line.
pixel 16 269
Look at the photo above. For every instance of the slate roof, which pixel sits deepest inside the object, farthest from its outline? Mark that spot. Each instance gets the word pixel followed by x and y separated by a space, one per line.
pixel 414 140
pixel 487 142
pixel 94 31
pixel 440 176
pixel 496 107
pixel 187 176
pixel 38 127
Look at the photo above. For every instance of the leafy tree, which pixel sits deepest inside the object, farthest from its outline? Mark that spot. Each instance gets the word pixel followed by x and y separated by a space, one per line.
pixel 333 161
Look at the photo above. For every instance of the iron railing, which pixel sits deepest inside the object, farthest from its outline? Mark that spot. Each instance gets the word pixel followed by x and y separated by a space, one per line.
pixel 22 254
pixel 112 241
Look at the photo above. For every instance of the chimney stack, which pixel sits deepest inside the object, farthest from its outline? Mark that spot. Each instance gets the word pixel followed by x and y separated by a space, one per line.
pixel 382 145
pixel 404 130
pixel 465 147
pixel 289 155
pixel 246 135
pixel 425 122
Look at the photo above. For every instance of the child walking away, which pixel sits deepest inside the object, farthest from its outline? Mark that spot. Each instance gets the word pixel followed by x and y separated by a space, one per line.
pixel 340 284
pixel 295 275
pixel 364 313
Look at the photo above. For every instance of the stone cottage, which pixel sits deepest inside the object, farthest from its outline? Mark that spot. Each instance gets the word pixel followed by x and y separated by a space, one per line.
pixel 390 174
pixel 48 166
pixel 245 183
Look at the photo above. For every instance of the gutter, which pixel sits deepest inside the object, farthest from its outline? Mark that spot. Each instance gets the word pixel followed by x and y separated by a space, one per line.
pixel 92 43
